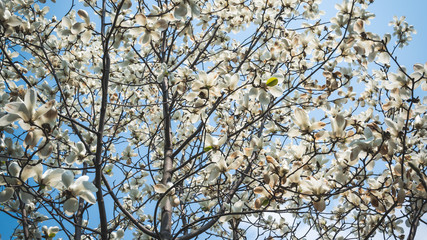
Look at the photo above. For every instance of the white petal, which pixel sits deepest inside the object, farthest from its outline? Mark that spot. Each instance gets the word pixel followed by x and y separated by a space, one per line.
pixel 222 165
pixel 53 230
pixel 32 138
pixel 238 206
pixel 77 28
pixel 141 19
pixel 161 24
pixel 8 119
pixel 86 36
pixel 225 218
pixel 71 206
pixel 89 186
pixel 25 126
pixel 354 155
pixel 368 133
pixel 338 125
pixel 181 10
pixel 44 109
pixel 45 151
pixel 263 98
pixel 127 4
pixel 78 184
pixel 31 171
pixel 145 39
pixel 14 169
pixel 81 148
pixel 88 196
pixel 71 158
pixel 317 125
pixel 210 141
pixel 120 233
pixel 160 188
pixel 301 118
pixel 276 91
pixel 52 177
pixel 30 99
pixel 18 108
pixel 214 174
pixel 359 26
pixel 6 194
pixel 27 198
pixel 222 140
pixel 38 169
pixel 14 21
pixel 66 22
pixel 83 15
pixel 175 201
pixel 253 92
pixel 195 9
pixel 384 58
pixel 67 178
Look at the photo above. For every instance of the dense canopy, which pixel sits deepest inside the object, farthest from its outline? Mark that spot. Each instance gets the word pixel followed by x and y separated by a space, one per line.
pixel 209 119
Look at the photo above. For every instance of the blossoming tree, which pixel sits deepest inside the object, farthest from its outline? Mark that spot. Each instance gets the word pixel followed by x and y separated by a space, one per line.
pixel 191 118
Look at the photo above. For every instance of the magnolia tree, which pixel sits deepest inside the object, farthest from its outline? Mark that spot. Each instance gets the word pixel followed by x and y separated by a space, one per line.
pixel 209 119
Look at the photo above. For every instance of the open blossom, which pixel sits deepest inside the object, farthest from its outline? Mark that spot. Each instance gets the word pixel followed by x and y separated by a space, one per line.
pixel 366 143
pixel 17 176
pixel 338 125
pixel 301 119
pixel 150 28
pixel 230 82
pixel 81 187
pixel 201 119
pixel 26 111
pixel 205 85
pixel 29 118
pixel 318 188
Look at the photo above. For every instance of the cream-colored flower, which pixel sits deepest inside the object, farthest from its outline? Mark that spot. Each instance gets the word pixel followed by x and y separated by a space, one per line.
pixel 78 188
pixel 300 118
pixel 29 118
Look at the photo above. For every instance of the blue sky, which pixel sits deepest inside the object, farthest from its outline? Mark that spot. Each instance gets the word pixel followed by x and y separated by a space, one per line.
pixel 416 52
pixel 415 12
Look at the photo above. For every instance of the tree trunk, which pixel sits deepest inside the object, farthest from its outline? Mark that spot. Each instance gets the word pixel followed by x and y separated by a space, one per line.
pixel 166 221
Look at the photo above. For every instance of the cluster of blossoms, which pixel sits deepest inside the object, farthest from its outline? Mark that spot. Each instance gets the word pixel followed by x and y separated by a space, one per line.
pixel 159 121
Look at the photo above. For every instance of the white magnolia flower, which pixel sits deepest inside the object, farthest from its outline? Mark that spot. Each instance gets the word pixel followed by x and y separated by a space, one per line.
pixel 364 144
pixel 25 110
pixel 50 232
pixel 72 30
pixel 395 127
pixel 205 84
pixel 119 234
pixel 29 118
pixel 150 28
pixel 52 178
pixel 230 82
pixel 222 165
pixel 300 117
pixel 128 154
pixel 19 175
pixel 6 194
pixel 338 124
pixel 87 35
pixel 78 188
pixel 77 154
pixel 213 142
pixel 318 188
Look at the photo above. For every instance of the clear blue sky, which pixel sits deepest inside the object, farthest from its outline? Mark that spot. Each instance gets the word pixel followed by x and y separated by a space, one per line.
pixel 416 52
pixel 415 12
